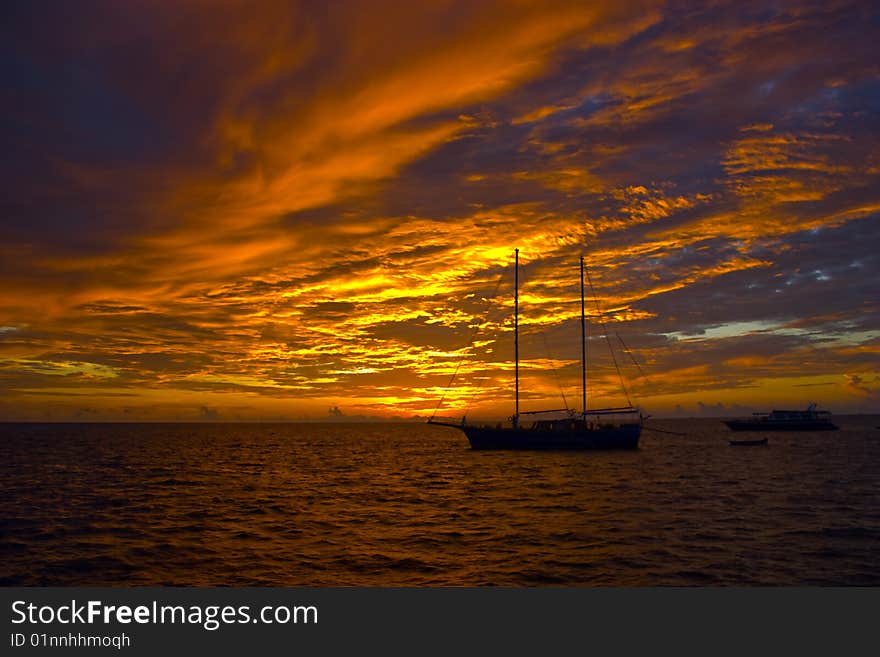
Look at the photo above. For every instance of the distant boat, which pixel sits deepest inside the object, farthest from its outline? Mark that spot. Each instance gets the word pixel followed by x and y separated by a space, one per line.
pixel 808 420
pixel 605 428
pixel 747 443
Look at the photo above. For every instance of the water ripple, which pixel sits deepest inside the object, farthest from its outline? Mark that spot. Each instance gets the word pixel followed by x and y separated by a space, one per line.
pixel 410 505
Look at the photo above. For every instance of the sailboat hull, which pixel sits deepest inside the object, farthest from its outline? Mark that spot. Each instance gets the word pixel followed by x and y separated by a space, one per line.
pixel 616 437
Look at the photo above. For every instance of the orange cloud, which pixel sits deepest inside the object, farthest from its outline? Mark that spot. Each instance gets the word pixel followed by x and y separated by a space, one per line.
pixel 329 209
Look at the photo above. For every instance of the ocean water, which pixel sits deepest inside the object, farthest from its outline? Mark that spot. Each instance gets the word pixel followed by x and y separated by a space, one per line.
pixel 410 504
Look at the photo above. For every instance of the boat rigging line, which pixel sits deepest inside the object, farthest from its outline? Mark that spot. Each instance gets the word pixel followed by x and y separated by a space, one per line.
pixel 555 371
pixel 671 433
pixel 474 330
pixel 607 339
pixel 629 353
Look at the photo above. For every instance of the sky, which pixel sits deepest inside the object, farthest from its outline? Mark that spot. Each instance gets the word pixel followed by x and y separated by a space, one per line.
pixel 299 210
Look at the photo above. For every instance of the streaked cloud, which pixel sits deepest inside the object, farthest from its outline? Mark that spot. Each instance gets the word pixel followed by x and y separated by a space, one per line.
pixel 267 210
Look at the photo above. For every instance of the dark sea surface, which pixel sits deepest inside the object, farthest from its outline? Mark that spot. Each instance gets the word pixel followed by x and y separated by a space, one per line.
pixel 410 504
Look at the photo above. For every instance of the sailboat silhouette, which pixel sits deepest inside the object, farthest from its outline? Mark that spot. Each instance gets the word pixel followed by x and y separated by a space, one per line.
pixel 601 428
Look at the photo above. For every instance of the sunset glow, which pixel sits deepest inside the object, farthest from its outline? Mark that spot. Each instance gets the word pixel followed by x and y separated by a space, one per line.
pixel 261 211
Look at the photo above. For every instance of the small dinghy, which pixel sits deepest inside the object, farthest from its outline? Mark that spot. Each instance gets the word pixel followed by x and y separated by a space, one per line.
pixel 748 443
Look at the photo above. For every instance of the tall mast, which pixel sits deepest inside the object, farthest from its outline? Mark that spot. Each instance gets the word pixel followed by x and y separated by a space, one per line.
pixel 516 336
pixel 583 345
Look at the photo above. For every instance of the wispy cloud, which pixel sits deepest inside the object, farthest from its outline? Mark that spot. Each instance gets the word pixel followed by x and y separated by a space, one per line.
pixel 268 210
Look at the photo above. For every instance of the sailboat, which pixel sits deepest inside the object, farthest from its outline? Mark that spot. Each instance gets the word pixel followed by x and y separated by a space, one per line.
pixel 601 428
